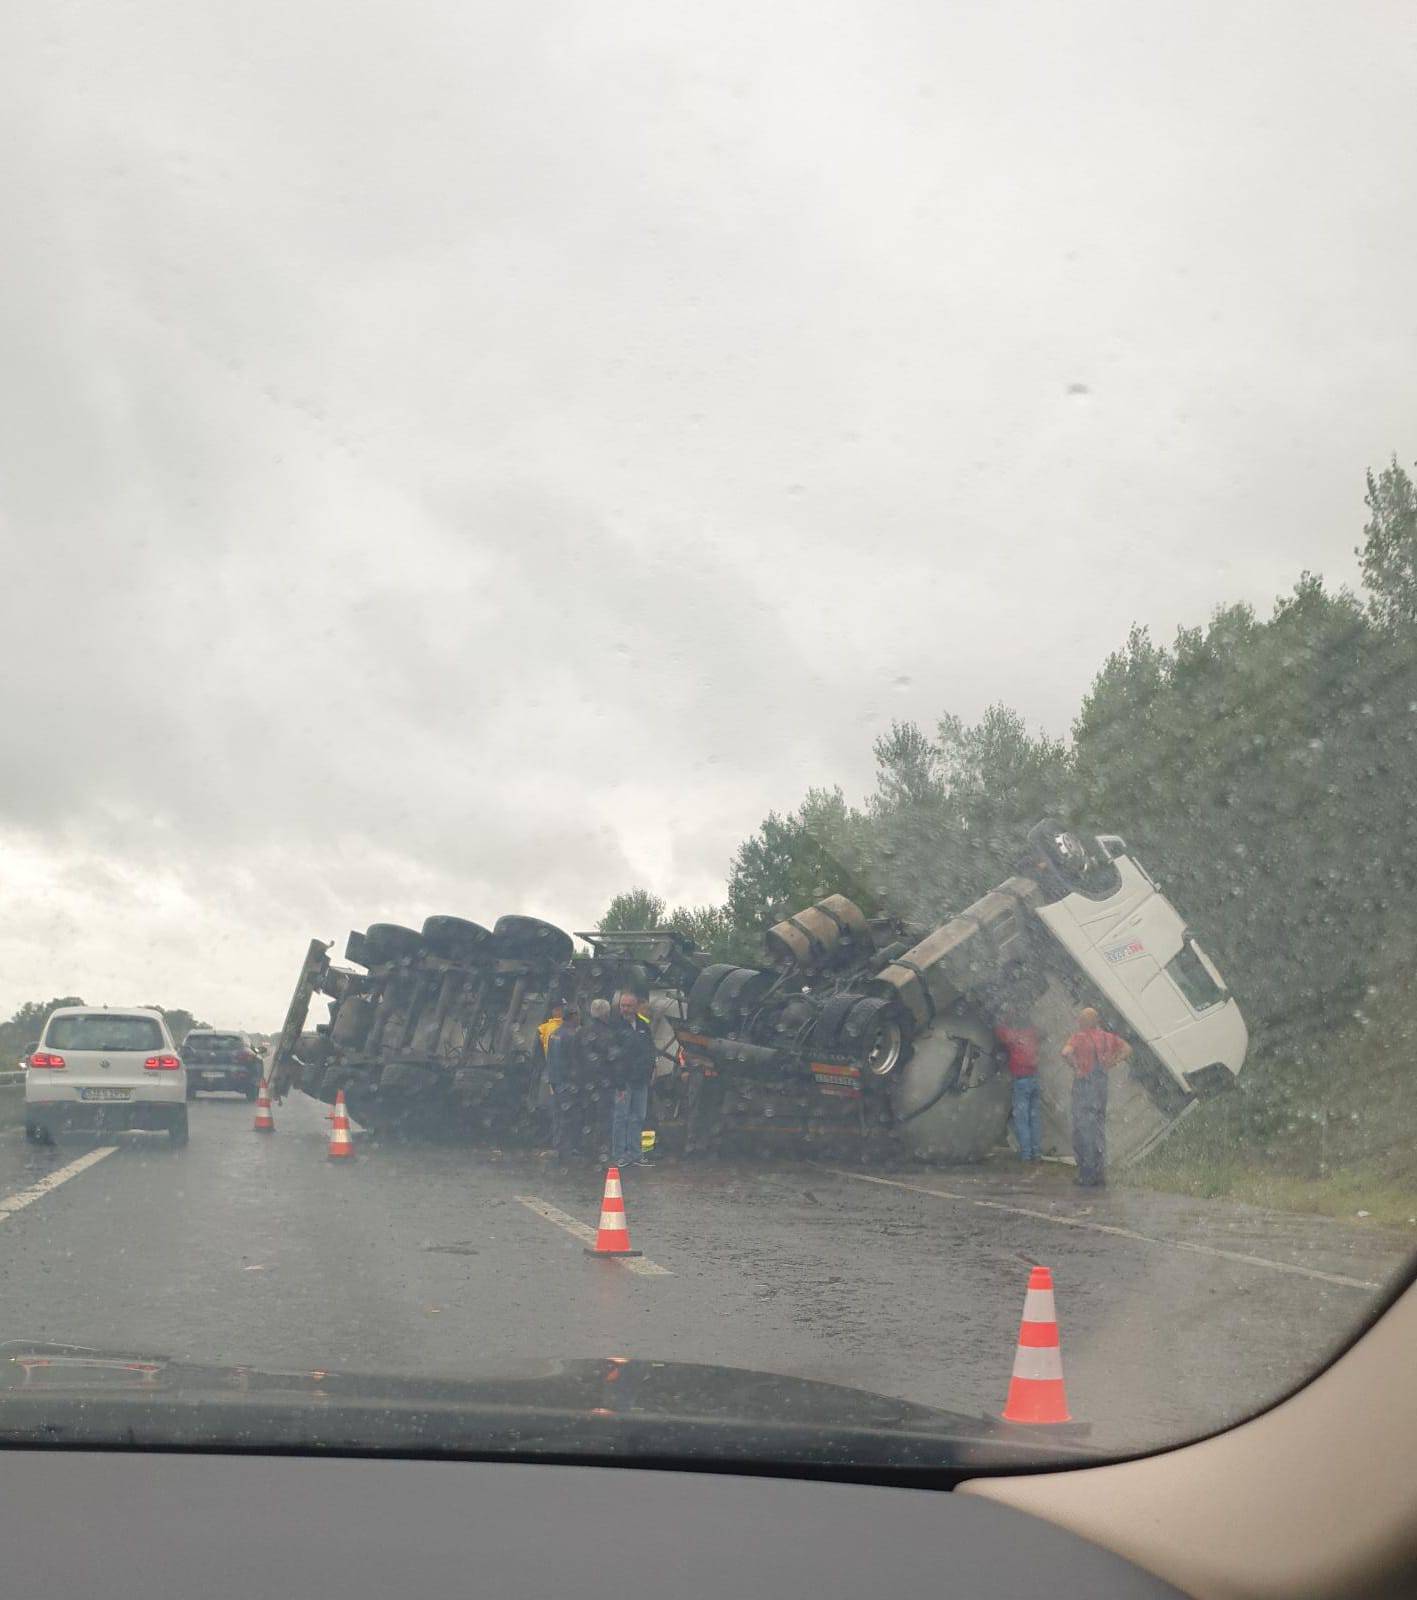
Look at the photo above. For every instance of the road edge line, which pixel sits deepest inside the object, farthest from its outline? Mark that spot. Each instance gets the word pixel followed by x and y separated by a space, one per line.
pixel 1112 1228
pixel 578 1230
pixel 51 1181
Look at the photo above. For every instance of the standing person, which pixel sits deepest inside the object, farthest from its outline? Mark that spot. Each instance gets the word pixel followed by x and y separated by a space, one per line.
pixel 633 1058
pixel 1093 1052
pixel 1020 1045
pixel 563 1074
pixel 596 1092
pixel 547 1031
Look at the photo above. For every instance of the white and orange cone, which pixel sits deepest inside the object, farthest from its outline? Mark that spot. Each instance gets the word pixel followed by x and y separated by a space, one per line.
pixel 1036 1393
pixel 613 1237
pixel 265 1122
pixel 341 1145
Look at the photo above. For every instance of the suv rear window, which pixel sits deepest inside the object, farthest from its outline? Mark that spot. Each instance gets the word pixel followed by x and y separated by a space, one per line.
pixel 212 1041
pixel 102 1031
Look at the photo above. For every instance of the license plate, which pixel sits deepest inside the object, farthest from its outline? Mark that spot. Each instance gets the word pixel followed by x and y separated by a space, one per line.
pixel 105 1094
pixel 210 1077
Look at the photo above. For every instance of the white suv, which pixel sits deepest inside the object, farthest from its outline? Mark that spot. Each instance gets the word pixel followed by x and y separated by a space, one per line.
pixel 105 1069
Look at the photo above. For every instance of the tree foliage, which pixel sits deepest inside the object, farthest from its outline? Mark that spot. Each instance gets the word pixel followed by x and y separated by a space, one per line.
pixel 1389 550
pixel 633 911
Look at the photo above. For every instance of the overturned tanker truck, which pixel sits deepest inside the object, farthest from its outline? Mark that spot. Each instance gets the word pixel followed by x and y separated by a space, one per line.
pixel 858 1034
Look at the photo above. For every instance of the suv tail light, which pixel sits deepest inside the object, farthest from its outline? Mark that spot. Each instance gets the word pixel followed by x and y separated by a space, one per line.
pixel 161 1064
pixel 40 1059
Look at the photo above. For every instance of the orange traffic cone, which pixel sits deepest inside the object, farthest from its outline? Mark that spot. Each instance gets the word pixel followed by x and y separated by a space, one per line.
pixel 265 1122
pixel 341 1145
pixel 1036 1393
pixel 613 1239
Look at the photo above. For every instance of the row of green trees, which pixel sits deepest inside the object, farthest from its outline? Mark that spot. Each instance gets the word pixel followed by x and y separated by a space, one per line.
pixel 1264 768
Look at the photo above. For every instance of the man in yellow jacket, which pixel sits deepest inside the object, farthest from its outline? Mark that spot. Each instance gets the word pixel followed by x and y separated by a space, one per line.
pixel 547 1028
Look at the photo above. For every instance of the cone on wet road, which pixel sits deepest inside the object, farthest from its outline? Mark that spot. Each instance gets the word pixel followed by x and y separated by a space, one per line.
pixel 1036 1393
pixel 613 1236
pixel 265 1122
pixel 341 1145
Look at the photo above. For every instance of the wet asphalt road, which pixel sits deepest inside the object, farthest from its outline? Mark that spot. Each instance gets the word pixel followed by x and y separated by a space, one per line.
pixel 1177 1315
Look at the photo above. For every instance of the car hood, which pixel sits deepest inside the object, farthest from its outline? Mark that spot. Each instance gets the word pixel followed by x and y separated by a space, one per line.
pixel 600 1408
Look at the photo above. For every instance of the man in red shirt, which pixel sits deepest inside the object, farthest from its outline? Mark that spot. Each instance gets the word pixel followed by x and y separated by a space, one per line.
pixel 1020 1045
pixel 1093 1052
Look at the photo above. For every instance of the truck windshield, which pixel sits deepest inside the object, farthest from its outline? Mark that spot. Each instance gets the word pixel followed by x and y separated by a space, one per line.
pixel 1200 989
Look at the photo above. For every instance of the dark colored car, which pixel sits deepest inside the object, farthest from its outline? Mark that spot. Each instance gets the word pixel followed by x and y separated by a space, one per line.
pixel 221 1061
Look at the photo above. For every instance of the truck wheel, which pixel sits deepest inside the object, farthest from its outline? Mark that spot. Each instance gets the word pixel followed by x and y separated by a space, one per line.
pixel 177 1127
pixel 454 938
pixel 740 990
pixel 872 1033
pixel 701 995
pixel 826 1031
pixel 353 1019
pixel 387 941
pixel 530 939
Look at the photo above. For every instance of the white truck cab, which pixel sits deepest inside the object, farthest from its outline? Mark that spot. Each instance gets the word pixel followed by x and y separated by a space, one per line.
pixel 1135 948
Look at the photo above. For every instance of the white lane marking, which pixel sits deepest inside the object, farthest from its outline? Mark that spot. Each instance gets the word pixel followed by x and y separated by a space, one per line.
pixel 543 1208
pixel 1121 1233
pixel 37 1191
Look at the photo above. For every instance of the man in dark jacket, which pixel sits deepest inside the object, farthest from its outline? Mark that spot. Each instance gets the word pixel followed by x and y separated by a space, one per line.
pixel 563 1078
pixel 597 1089
pixel 632 1056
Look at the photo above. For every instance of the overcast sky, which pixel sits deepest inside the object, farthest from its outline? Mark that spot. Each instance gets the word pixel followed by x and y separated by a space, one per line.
pixel 466 458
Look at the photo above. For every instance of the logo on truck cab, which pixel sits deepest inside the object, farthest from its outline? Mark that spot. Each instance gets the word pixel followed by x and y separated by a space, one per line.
pixel 1125 952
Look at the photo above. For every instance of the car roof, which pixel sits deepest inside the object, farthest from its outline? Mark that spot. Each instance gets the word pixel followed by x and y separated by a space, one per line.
pixel 117 1011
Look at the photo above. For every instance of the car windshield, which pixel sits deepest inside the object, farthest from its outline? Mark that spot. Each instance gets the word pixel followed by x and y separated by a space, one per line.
pixel 797 793
pixel 102 1031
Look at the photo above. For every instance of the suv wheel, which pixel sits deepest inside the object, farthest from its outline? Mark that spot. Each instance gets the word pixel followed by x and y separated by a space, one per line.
pixel 177 1128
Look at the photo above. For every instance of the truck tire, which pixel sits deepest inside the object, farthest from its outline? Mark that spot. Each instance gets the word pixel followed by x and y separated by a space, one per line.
pixel 387 941
pixel 407 1079
pixel 356 949
pixel 826 1031
pixel 352 1022
pixel 454 938
pixel 740 990
pixel 873 1036
pixel 530 939
pixel 701 995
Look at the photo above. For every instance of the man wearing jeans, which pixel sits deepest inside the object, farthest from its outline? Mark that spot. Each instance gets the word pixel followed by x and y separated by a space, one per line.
pixel 1021 1048
pixel 1093 1052
pixel 632 1056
